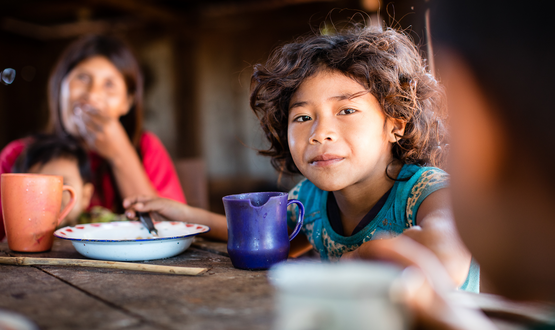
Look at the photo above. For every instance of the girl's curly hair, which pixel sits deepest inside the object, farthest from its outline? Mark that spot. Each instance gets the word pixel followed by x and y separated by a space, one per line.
pixel 386 63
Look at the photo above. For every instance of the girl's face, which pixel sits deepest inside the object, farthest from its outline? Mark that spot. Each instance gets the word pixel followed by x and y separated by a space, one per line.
pixel 338 140
pixel 93 83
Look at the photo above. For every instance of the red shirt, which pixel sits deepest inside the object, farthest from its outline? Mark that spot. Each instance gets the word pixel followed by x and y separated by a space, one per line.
pixel 156 161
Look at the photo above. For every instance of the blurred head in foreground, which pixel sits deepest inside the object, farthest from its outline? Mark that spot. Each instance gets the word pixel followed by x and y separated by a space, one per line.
pixel 496 59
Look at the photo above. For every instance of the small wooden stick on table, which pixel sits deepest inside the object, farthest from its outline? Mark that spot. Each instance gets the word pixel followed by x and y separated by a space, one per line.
pixel 26 261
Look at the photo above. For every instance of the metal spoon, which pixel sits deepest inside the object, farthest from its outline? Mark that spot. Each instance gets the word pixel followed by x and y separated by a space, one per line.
pixel 147 222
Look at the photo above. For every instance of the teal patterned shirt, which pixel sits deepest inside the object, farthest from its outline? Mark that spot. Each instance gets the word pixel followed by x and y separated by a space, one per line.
pixel 398 214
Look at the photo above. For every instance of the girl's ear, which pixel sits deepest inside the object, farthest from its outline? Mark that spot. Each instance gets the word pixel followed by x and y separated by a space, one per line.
pixel 395 129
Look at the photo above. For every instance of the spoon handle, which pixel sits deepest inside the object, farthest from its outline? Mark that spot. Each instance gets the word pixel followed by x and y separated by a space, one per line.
pixel 147 222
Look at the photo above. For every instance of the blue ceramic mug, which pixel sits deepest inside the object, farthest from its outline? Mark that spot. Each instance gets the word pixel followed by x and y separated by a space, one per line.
pixel 257 228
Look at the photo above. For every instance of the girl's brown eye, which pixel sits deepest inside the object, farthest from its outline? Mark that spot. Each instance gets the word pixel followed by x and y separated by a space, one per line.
pixel 109 84
pixel 347 111
pixel 302 118
pixel 84 77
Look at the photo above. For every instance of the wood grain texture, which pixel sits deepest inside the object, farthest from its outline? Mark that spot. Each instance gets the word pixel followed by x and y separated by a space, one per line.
pixel 222 298
pixel 29 261
pixel 53 304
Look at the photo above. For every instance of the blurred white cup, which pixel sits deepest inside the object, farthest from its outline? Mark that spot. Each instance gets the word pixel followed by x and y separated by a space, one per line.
pixel 324 296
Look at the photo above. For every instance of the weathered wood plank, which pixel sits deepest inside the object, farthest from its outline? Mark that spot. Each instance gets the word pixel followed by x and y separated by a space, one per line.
pixel 60 249
pixel 211 246
pixel 53 304
pixel 32 261
pixel 224 297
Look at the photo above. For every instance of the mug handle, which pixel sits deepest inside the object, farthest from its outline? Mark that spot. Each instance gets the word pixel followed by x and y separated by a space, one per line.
pixel 69 205
pixel 301 218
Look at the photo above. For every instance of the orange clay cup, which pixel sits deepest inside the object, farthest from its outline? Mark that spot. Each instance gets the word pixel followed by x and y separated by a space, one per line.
pixel 31 206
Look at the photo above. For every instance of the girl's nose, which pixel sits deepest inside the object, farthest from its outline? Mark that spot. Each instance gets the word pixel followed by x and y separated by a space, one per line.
pixel 94 93
pixel 323 131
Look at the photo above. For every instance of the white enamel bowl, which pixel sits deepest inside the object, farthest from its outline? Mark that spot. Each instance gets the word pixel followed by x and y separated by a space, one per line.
pixel 130 240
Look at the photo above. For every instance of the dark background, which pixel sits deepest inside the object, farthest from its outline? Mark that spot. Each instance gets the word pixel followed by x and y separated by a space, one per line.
pixel 197 57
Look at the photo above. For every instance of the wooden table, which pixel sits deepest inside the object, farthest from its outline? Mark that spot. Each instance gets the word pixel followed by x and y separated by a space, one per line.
pixel 57 297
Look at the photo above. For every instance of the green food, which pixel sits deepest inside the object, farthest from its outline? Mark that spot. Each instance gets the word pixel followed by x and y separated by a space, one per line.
pixel 100 214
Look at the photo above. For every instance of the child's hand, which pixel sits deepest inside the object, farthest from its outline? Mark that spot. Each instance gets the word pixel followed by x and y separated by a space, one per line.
pixel 103 134
pixel 169 209
pixel 405 252
pixel 425 291
pixel 177 211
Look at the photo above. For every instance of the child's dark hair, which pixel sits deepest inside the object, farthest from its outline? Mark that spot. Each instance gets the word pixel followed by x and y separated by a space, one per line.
pixel 385 62
pixel 45 148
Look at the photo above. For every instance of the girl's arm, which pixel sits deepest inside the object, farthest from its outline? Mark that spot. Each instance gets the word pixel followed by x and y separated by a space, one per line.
pixel 176 211
pixel 426 288
pixel 437 232
pixel 110 140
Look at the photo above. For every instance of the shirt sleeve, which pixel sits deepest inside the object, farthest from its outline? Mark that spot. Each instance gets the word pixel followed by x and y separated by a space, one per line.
pixel 429 181
pixel 160 169
pixel 8 156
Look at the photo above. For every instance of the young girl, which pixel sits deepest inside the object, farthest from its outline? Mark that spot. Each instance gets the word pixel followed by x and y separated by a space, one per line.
pixel 359 117
pixel 95 96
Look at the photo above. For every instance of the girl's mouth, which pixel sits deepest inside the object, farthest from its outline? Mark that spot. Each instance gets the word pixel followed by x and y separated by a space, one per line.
pixel 325 160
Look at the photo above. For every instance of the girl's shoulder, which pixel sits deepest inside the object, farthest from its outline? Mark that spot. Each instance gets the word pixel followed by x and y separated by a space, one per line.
pixel 418 182
pixel 416 177
pixel 149 140
pixel 411 172
pixel 152 148
pixel 11 152
pixel 15 146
